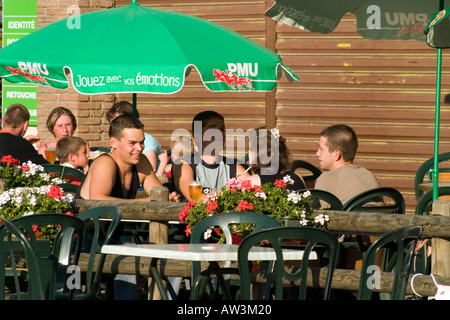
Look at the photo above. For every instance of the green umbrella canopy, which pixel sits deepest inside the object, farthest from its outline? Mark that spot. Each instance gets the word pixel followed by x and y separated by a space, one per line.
pixel 376 19
pixel 137 49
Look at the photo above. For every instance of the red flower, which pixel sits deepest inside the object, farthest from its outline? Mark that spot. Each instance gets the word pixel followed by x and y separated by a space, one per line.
pixel 25 168
pixel 246 185
pixel 279 183
pixel 244 205
pixel 257 189
pixel 69 213
pixel 55 192
pixel 188 230
pixel 35 227
pixel 211 206
pixel 236 239
pixel 10 160
pixel 185 212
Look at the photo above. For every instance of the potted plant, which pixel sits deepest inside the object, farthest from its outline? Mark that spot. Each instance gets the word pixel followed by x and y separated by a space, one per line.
pixel 275 200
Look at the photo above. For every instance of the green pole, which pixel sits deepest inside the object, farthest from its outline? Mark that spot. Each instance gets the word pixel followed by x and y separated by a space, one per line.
pixel 437 117
pixel 437 124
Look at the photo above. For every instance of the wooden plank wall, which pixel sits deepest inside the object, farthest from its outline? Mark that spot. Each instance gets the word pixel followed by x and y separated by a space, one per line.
pixel 384 89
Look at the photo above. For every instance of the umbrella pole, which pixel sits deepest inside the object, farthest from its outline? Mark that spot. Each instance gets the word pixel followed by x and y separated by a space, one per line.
pixel 134 105
pixel 437 124
pixel 437 117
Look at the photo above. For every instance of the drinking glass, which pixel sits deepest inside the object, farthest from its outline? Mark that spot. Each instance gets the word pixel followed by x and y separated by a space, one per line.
pixel 195 190
pixel 50 155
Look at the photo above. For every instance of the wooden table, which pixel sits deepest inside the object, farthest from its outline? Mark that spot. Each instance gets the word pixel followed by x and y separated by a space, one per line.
pixel 427 186
pixel 195 252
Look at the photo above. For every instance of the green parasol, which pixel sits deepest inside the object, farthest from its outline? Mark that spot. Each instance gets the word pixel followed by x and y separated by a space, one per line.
pixel 136 49
pixel 375 19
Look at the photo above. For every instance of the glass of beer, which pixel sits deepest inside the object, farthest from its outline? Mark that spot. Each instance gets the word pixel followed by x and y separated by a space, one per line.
pixel 195 190
pixel 50 155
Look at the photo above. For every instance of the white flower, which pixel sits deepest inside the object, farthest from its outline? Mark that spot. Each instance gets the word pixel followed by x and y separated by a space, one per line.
pixel 275 133
pixel 288 180
pixel 294 197
pixel 321 218
pixel 207 234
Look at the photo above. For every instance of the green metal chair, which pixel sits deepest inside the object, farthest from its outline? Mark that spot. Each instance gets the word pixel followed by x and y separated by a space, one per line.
pixel 331 199
pixel 69 187
pixel 64 172
pixel 93 216
pixel 424 170
pixel 274 237
pixel 401 243
pixel 358 203
pixel 223 221
pixel 309 179
pixel 13 242
pixel 64 252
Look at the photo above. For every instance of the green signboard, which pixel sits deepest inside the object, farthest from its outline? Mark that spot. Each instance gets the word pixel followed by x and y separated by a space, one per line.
pixel 19 20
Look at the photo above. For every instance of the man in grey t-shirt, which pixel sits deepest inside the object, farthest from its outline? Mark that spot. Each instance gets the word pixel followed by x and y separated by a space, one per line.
pixel 337 149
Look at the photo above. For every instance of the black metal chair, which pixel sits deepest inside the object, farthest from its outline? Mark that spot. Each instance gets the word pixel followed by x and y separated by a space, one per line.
pixel 304 165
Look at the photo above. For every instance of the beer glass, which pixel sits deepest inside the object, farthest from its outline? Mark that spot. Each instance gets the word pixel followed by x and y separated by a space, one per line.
pixel 50 155
pixel 195 190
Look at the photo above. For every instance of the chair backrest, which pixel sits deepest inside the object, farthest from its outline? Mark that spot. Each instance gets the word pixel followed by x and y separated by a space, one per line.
pixel 13 242
pixel 401 242
pixel 318 195
pixel 64 172
pixel 65 251
pixel 425 203
pixel 101 149
pixel 309 179
pixel 358 203
pixel 314 237
pixel 223 221
pixel 93 215
pixel 69 187
pixel 423 171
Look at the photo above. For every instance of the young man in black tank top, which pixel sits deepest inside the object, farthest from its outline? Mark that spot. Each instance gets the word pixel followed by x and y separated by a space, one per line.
pixel 118 175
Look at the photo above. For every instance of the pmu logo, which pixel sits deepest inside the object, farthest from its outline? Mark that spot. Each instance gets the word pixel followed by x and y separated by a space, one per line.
pixel 33 67
pixel 243 69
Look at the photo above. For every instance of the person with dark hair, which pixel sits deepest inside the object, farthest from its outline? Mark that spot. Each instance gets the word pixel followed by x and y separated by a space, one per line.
pixel 152 148
pixel 270 159
pixel 207 164
pixel 117 175
pixel 337 150
pixel 12 142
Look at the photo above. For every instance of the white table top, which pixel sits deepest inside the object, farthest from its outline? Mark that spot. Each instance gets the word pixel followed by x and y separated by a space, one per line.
pixel 199 252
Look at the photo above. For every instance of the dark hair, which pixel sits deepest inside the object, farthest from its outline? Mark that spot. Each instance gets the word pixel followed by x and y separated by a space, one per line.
pixel 16 115
pixel 204 117
pixel 122 108
pixel 264 136
pixel 67 145
pixel 343 138
pixel 124 122
pixel 54 116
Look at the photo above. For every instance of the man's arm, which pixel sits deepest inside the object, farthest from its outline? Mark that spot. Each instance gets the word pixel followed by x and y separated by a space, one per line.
pixel 149 179
pixel 100 180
